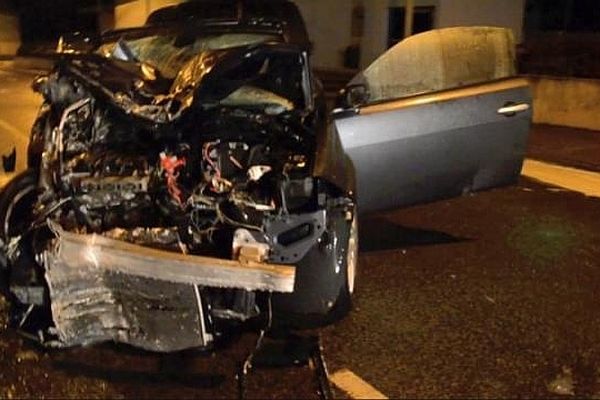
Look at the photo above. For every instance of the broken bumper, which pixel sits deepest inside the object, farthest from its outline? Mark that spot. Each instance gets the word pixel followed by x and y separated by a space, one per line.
pixel 103 289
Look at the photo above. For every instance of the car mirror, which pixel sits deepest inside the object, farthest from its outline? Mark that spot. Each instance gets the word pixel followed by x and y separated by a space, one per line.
pixel 39 84
pixel 357 95
pixel 353 96
pixel 76 43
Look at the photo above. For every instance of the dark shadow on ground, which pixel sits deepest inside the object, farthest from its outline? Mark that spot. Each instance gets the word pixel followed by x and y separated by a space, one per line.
pixel 379 234
pixel 174 374
pixel 579 148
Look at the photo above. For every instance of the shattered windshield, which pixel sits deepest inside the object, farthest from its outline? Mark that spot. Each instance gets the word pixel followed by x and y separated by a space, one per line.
pixel 185 59
pixel 170 53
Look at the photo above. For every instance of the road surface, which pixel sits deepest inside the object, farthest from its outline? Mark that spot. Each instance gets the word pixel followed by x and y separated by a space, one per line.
pixel 490 295
pixel 18 108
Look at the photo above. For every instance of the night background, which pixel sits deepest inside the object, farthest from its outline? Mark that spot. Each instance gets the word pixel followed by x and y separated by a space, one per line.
pixel 47 20
pixel 488 295
pixel 561 37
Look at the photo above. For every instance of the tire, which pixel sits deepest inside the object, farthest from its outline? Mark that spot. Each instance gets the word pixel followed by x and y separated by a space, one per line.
pixel 321 296
pixel 343 305
pixel 16 202
pixel 16 207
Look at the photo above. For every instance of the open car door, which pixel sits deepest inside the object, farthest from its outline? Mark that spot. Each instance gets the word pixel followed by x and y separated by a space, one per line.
pixel 439 115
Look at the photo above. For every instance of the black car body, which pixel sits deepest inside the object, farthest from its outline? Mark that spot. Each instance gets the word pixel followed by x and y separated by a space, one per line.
pixel 185 181
pixel 281 13
pixel 212 155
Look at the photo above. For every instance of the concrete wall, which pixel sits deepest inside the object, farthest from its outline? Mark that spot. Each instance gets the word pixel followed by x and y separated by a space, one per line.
pixel 10 37
pixel 448 13
pixel 329 27
pixel 329 21
pixel 506 13
pixel 567 102
pixel 134 13
pixel 374 41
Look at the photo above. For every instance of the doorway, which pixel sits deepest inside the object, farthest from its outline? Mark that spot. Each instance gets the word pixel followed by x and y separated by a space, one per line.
pixel 424 20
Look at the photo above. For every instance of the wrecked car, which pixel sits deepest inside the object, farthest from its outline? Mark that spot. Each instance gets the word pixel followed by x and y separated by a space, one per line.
pixel 186 181
pixel 177 184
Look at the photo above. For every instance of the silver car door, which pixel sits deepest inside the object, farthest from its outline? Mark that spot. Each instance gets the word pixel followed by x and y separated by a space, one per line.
pixel 463 131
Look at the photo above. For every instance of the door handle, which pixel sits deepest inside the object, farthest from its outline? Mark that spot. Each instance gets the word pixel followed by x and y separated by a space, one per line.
pixel 511 110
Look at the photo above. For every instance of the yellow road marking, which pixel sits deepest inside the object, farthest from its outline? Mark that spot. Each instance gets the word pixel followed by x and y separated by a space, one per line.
pixel 573 179
pixel 354 386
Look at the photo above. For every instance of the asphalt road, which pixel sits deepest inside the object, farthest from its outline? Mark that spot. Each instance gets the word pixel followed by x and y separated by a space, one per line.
pixel 18 108
pixel 490 295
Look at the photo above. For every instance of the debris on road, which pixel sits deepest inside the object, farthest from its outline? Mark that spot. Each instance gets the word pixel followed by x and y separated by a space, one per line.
pixel 3 313
pixel 8 392
pixel 27 355
pixel 490 299
pixel 564 384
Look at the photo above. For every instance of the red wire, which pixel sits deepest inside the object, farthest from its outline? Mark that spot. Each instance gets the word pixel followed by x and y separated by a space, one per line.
pixel 170 165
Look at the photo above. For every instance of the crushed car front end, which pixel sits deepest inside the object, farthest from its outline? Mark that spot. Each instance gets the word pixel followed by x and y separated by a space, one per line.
pixel 180 185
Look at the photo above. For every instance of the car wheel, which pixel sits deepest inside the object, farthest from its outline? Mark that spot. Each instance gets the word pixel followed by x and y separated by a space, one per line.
pixel 324 280
pixel 352 255
pixel 16 203
pixel 343 305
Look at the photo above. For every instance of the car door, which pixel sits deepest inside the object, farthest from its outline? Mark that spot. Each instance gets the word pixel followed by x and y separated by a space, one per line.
pixel 439 115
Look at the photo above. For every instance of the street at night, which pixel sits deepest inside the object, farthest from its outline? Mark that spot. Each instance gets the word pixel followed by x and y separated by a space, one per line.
pixel 18 108
pixel 299 199
pixel 490 295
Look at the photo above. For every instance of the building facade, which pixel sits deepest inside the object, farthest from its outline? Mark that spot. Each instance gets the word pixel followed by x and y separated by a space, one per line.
pixel 10 37
pixel 338 27
pixel 345 33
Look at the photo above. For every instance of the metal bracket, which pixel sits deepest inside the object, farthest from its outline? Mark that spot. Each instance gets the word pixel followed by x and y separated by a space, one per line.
pixel 293 351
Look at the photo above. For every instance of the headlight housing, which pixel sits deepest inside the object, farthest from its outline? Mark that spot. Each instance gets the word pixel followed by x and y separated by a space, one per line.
pixel 76 127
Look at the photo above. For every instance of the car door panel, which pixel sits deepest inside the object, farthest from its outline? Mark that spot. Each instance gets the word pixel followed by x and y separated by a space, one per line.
pixel 438 145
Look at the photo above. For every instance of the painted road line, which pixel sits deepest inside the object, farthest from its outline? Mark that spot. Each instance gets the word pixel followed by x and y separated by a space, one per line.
pixel 573 179
pixel 354 386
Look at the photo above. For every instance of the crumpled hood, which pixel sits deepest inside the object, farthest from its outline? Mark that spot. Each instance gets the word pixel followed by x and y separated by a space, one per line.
pixel 139 90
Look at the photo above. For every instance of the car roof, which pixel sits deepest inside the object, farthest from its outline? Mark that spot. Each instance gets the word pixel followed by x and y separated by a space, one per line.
pixel 282 16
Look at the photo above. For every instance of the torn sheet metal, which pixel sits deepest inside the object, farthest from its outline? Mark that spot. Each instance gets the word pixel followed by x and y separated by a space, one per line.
pixel 94 252
pixel 144 92
pixel 107 290
pixel 91 305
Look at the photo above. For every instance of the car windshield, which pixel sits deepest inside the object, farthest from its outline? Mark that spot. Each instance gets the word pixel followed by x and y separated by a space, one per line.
pixel 170 53
pixel 177 57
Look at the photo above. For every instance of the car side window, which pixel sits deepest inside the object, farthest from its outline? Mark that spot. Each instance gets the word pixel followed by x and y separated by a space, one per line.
pixel 440 60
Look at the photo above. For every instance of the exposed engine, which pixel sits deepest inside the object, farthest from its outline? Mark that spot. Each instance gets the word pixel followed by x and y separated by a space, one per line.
pixel 198 182
pixel 159 217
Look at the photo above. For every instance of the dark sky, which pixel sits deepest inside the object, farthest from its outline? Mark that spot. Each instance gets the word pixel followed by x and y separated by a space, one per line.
pixel 563 15
pixel 46 20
